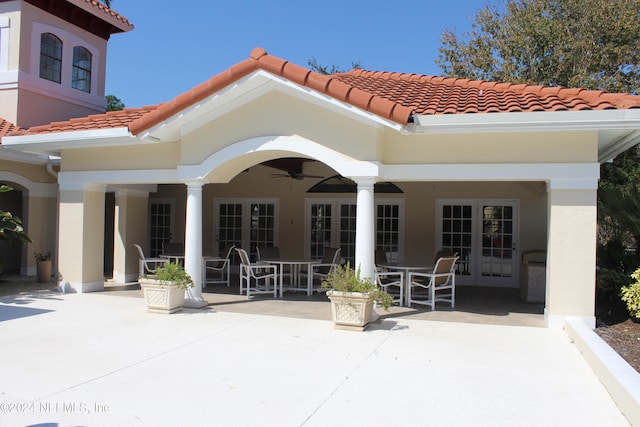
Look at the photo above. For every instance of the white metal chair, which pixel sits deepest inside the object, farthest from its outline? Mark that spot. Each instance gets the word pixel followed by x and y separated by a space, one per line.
pixel 217 269
pixel 148 265
pixel 386 279
pixel 436 286
pixel 257 278
pixel 268 253
pixel 391 279
pixel 320 271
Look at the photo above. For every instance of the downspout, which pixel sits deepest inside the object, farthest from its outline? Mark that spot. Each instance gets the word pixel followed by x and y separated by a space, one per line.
pixel 52 172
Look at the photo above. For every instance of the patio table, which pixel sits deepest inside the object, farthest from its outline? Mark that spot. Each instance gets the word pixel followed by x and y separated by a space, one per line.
pixel 406 268
pixel 173 258
pixel 295 266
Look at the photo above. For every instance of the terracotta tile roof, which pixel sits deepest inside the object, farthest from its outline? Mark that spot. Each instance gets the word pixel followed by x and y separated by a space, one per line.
pixel 440 95
pixel 259 59
pixel 393 96
pixel 7 127
pixel 109 12
pixel 110 120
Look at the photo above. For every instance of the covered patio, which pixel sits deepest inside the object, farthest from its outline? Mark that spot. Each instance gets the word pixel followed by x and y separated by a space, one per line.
pixel 480 305
pixel 503 170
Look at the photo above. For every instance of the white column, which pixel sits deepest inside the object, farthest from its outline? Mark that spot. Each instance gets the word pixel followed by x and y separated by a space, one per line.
pixel 365 229
pixel 193 244
pixel 571 251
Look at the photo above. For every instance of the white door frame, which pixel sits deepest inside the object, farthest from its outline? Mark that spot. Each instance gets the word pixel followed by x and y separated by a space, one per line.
pixel 475 278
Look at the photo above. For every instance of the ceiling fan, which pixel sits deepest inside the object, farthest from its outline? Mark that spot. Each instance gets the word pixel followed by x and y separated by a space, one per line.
pixel 292 167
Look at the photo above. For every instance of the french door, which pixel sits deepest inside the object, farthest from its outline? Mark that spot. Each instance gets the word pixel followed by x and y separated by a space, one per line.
pixel 246 223
pixel 161 223
pixel 332 223
pixel 484 233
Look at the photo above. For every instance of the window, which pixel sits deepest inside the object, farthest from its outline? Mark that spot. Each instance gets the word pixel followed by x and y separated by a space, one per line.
pixel 81 78
pixel 332 222
pixel 246 223
pixel 50 57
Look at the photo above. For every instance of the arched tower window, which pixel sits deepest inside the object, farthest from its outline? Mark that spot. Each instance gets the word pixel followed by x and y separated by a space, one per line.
pixel 81 76
pixel 50 57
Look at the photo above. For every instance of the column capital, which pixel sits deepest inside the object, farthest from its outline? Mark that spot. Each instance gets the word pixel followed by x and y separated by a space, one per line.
pixel 364 181
pixel 195 183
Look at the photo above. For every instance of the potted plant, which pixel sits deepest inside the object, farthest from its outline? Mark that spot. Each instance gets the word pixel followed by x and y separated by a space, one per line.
pixel 352 298
pixel 164 291
pixel 43 266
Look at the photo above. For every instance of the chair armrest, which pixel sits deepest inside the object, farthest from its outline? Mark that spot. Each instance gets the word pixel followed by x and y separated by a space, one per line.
pixel 165 260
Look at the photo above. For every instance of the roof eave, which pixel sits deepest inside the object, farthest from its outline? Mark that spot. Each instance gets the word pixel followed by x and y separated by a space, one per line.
pixel 54 143
pixel 610 144
pixel 110 19
pixel 528 121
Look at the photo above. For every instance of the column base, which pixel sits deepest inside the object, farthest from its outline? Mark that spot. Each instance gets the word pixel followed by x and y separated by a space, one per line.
pixel 80 288
pixel 195 303
pixel 557 321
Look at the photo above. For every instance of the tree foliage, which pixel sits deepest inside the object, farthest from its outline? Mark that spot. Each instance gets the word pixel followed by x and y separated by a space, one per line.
pixel 329 69
pixel 114 103
pixel 592 44
pixel 11 229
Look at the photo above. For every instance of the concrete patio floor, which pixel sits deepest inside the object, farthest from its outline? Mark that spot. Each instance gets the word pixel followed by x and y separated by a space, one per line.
pixel 500 306
pixel 100 359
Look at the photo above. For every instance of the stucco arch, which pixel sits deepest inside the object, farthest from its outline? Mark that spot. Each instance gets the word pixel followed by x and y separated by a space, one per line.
pixel 226 163
pixel 24 184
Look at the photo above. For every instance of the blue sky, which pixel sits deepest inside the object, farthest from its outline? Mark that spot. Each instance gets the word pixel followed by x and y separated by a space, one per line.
pixel 172 49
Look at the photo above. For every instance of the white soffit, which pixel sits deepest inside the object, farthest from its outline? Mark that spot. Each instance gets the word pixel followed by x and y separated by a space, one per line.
pixel 531 121
pixel 618 130
pixel 53 143
pixel 244 91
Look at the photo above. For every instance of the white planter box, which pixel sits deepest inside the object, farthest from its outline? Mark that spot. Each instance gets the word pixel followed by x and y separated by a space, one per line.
pixel 351 310
pixel 162 297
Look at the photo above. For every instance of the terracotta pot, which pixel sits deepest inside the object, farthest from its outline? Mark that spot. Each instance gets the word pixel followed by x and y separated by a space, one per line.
pixel 43 270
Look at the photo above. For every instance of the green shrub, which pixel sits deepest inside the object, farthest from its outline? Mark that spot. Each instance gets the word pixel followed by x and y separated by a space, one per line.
pixel 174 272
pixel 609 280
pixel 346 279
pixel 631 295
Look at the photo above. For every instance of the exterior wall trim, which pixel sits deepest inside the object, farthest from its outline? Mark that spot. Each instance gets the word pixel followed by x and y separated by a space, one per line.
pixel 577 172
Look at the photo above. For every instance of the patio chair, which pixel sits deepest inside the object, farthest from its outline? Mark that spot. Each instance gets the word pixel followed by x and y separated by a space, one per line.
pixel 148 265
pixel 218 267
pixel 436 286
pixel 268 253
pixel 172 249
pixel 257 278
pixel 330 259
pixel 380 258
pixel 391 282
pixel 444 253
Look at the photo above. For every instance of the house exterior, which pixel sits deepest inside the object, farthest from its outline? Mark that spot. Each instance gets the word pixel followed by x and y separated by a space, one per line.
pixel 52 67
pixel 488 170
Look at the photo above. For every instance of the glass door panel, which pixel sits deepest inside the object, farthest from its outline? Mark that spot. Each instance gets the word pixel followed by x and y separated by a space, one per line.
pixel 229 226
pixel 321 228
pixel 348 233
pixel 498 243
pixel 262 230
pixel 484 234
pixel 457 234
pixel 160 225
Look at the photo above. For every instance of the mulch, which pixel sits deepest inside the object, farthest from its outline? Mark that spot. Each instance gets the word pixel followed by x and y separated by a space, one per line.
pixel 624 338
